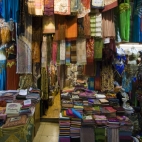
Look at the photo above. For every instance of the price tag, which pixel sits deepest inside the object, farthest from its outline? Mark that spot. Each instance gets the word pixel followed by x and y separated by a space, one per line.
pixel 106 40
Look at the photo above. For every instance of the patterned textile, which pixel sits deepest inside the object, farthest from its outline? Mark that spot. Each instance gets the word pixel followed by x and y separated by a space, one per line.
pixel 107 79
pixel 90 50
pixel 98 46
pixel 59 28
pixel 48 24
pixel 36 29
pixel 24 57
pixel 62 51
pixel 71 27
pixel 73 52
pixel 12 80
pixel 108 26
pixel 68 46
pixel 48 7
pixel 98 3
pixel 62 7
pixel 112 135
pixel 86 23
pixel 54 51
pixel 84 8
pixel 81 51
pixel 96 24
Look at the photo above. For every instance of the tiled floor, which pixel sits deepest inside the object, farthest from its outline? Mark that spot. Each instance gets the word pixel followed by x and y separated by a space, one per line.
pixel 47 132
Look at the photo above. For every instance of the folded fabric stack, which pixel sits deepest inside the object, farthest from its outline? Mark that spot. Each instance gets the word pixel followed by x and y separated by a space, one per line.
pixel 100 134
pixel 67 104
pixel 8 96
pixel 2 115
pixel 64 126
pixel 108 111
pixel 113 122
pixel 104 102
pixel 75 127
pixel 88 110
pixel 88 120
pixel 100 119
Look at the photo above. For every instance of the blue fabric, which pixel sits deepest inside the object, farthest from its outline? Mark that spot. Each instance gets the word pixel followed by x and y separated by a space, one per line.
pixel 2 74
pixel 0 8
pixel 76 113
pixel 10 9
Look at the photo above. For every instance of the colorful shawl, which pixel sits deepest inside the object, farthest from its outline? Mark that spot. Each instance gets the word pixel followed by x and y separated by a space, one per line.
pixel 48 7
pixel 86 23
pixel 68 46
pixel 84 8
pixel 24 57
pixel 81 51
pixel 73 52
pixel 62 7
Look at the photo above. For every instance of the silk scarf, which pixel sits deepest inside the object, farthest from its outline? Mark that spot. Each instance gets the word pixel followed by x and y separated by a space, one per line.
pixel 62 51
pixel 49 48
pixel 75 4
pixel 73 52
pixel 81 51
pixel 68 47
pixel 36 52
pixel 54 52
pixel 86 23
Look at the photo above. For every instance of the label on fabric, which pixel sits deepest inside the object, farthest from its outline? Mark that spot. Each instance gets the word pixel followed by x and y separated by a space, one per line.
pixel 106 40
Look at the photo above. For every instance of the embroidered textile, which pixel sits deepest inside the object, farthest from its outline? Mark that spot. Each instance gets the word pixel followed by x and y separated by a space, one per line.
pixel 48 24
pixel 81 51
pixel 24 57
pixel 62 7
pixel 84 8
pixel 86 23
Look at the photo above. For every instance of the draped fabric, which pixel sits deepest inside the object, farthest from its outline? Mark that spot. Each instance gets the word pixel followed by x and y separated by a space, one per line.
pixel 62 7
pixel 84 8
pixel 49 48
pixel 73 52
pixel 12 81
pixel 68 47
pixel 112 135
pixel 48 7
pixel 62 51
pixel 80 27
pixel 108 26
pixel 71 27
pixel 48 24
pixel 24 57
pixel 81 51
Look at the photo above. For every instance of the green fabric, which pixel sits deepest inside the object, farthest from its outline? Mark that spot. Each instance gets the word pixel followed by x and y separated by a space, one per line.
pixel 100 135
pixel 125 12
pixel 98 46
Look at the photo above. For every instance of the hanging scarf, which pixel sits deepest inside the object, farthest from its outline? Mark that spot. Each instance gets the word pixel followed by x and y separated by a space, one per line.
pixel 108 24
pixel 71 27
pixel 39 5
pixel 36 29
pixel 98 46
pixel 24 57
pixel 81 51
pixel 68 46
pixel 125 12
pixel 107 79
pixel 112 135
pixel 96 24
pixel 84 8
pixel 49 48
pixel 73 52
pixel 59 28
pixel 62 51
pixel 86 23
pixel 58 53
pixel 36 52
pixel 54 51
pixel 90 50
pixel 49 7
pixel 75 5
pixel 48 24
pixel 80 27
pixel 62 7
